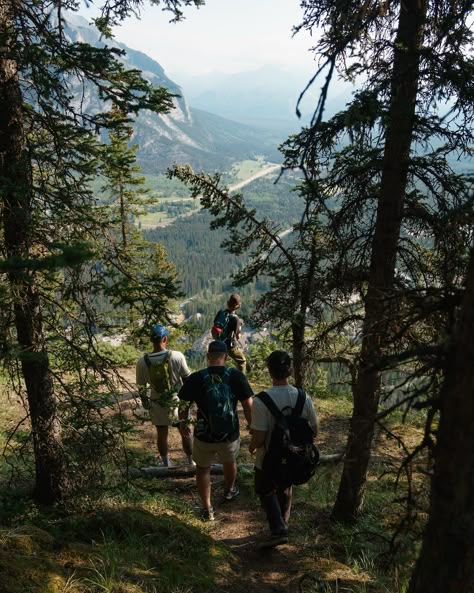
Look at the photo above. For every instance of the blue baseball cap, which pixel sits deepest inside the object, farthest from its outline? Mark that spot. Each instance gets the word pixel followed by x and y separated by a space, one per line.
pixel 158 332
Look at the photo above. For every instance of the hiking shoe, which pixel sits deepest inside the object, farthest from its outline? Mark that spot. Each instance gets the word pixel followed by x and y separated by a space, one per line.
pixel 273 540
pixel 207 514
pixel 231 493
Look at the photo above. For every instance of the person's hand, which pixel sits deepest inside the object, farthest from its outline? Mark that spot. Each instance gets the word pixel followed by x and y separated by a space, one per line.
pixel 252 449
pixel 146 402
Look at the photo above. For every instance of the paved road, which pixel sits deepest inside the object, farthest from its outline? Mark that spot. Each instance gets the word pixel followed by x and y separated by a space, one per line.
pixel 262 173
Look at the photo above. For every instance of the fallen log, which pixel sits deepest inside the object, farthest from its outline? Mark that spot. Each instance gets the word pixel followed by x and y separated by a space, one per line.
pixel 186 471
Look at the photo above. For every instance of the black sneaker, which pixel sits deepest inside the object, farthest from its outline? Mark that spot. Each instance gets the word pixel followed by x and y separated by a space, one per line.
pixel 231 493
pixel 274 540
pixel 207 514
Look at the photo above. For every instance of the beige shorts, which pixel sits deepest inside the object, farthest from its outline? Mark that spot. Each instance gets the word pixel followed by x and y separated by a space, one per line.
pixel 161 416
pixel 205 454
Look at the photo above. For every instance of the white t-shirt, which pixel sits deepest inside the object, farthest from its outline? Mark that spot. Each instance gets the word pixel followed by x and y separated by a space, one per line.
pixel 177 364
pixel 263 420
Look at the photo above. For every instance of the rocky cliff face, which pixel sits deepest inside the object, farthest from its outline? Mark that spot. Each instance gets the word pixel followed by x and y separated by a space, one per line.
pixel 184 135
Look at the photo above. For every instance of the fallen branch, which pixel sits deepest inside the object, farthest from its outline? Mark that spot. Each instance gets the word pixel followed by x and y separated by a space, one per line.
pixel 186 471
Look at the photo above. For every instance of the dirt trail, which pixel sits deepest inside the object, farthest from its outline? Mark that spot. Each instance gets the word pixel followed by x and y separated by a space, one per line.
pixel 241 525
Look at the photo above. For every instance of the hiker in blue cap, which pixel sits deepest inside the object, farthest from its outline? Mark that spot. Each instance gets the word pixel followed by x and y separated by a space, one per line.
pixel 164 370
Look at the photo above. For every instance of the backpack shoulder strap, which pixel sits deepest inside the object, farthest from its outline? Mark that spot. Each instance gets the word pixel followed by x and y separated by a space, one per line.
pixel 268 401
pixel 146 357
pixel 300 402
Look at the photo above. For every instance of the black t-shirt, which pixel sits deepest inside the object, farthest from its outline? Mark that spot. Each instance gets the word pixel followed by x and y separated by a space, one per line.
pixel 194 390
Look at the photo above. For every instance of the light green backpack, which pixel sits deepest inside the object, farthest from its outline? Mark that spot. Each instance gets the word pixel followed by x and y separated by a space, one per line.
pixel 160 379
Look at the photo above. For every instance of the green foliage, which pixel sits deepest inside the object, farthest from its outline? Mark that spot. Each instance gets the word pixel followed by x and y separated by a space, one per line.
pixel 296 267
pixel 72 265
pixel 119 356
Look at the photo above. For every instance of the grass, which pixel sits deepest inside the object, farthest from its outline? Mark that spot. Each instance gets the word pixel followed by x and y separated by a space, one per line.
pixel 245 169
pixel 118 548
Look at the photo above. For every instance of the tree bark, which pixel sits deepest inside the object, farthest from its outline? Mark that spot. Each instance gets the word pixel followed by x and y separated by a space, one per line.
pixel 398 140
pixel 298 349
pixel 446 561
pixel 18 225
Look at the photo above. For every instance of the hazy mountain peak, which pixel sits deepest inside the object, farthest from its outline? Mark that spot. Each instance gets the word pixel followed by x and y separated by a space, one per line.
pixel 183 135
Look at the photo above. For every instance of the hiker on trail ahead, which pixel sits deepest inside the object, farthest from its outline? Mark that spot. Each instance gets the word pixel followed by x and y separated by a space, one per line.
pixel 275 488
pixel 216 391
pixel 227 326
pixel 164 370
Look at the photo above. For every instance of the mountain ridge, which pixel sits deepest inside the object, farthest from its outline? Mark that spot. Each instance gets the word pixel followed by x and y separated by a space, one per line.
pixel 184 135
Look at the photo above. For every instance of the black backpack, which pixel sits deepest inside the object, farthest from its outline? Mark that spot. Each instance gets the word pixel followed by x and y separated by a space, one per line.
pixel 291 457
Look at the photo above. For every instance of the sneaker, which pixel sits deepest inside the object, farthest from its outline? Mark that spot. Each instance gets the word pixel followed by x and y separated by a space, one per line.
pixel 273 540
pixel 207 514
pixel 231 493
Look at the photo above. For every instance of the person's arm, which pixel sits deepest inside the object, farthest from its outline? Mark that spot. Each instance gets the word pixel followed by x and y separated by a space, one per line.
pixel 183 415
pixel 259 426
pixel 257 439
pixel 311 416
pixel 185 394
pixel 184 371
pixel 141 381
pixel 247 407
pixel 142 394
pixel 238 326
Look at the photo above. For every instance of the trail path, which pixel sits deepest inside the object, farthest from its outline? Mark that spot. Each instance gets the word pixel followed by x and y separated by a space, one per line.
pixel 241 525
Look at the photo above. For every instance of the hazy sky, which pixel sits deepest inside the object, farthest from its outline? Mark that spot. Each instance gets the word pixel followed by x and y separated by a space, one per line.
pixel 224 35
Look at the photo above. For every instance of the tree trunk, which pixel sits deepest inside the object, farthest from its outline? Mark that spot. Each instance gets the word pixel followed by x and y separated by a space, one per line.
pixel 398 140
pixel 446 561
pixel 298 349
pixel 17 222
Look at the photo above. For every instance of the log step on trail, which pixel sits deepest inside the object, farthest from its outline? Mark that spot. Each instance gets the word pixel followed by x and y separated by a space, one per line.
pixel 186 471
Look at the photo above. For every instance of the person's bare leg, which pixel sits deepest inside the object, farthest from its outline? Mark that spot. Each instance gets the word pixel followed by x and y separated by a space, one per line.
pixel 203 481
pixel 229 469
pixel 162 442
pixel 187 443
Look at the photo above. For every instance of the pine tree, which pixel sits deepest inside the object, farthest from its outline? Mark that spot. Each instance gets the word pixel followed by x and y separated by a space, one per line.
pixel 445 564
pixel 386 157
pixel 294 265
pixel 49 153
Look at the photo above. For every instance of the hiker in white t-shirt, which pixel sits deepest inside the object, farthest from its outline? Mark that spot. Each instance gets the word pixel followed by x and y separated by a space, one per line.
pixel 276 498
pixel 163 406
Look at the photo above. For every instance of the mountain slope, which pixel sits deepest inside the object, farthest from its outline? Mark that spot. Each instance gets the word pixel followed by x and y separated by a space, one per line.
pixel 184 135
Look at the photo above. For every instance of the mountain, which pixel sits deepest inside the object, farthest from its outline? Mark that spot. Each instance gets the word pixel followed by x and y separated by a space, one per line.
pixel 185 135
pixel 265 97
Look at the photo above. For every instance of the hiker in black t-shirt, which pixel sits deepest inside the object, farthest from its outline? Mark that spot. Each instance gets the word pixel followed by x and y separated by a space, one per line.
pixel 227 327
pixel 216 391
